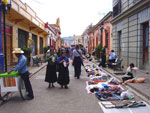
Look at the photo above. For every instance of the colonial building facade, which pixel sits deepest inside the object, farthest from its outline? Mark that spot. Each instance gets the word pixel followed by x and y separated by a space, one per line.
pixel 131 37
pixel 23 29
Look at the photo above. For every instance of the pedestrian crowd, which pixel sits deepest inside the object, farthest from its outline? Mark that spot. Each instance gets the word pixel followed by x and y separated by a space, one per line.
pixel 59 62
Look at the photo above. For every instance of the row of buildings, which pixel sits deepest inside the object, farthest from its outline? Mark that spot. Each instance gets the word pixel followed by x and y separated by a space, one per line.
pixel 25 29
pixel 126 30
pixel 101 33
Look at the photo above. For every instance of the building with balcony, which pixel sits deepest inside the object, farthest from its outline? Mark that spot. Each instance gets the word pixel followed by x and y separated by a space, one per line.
pixel 23 29
pixel 131 37
pixel 52 37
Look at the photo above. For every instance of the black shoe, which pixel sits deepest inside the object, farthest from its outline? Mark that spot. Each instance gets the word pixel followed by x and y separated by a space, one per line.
pixel 66 87
pixel 61 86
pixel 49 86
pixel 78 77
pixel 29 98
pixel 53 85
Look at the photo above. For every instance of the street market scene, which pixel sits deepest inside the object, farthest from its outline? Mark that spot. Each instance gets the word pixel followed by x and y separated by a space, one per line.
pixel 75 56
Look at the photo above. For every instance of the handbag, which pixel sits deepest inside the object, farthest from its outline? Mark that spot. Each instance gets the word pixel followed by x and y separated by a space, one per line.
pixel 80 57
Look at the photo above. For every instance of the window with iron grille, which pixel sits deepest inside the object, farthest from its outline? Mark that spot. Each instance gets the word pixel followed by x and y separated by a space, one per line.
pixel 117 8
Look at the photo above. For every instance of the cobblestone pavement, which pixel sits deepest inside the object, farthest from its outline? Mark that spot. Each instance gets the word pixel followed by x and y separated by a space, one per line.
pixel 55 100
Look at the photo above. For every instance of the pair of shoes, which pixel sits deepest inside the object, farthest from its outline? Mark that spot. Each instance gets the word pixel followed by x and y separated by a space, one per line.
pixel 78 77
pixel 66 87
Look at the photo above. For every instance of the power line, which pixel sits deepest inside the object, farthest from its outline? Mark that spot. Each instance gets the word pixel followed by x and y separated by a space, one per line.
pixel 38 2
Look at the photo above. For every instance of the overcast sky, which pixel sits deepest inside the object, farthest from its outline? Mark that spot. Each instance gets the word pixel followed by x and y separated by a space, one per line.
pixel 75 15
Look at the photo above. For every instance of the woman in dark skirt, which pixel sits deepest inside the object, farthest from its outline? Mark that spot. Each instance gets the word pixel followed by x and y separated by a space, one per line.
pixel 51 76
pixel 63 77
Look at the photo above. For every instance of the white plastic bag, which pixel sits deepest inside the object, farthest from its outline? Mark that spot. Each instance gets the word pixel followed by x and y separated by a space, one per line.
pixel 127 95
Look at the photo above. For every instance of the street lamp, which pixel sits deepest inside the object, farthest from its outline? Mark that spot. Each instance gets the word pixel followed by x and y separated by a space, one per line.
pixel 6 5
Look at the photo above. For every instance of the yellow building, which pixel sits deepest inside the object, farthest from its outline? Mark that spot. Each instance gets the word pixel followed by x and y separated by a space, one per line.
pixel 23 26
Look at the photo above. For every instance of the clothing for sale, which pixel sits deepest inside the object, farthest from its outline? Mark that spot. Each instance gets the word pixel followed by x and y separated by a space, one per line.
pixel 124 104
pixel 51 75
pixel 63 76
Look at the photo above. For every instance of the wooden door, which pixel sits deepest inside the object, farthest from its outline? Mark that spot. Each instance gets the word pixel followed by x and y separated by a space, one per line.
pixel 145 42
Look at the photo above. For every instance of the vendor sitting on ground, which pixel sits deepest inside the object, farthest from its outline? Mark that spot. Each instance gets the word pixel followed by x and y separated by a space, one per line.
pixel 130 73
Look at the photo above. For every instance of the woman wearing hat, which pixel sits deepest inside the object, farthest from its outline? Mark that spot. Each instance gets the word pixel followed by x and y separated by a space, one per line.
pixel 63 77
pixel 51 76
pixel 21 67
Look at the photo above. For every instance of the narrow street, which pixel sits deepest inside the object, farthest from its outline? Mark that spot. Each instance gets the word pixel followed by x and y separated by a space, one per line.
pixel 55 100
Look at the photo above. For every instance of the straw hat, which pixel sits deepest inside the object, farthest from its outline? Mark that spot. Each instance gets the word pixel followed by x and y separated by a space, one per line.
pixel 18 50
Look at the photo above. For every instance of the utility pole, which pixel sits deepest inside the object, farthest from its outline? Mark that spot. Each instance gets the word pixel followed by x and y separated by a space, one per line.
pixel 5 40
pixel 1 54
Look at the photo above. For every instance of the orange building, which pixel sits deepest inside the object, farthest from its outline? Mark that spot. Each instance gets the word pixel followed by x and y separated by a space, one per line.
pixel 101 34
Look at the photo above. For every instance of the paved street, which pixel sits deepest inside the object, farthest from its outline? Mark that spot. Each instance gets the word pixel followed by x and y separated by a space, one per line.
pixel 55 100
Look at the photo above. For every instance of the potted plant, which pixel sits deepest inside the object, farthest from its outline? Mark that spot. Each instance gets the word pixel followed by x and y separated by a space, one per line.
pixel 27 53
pixel 98 51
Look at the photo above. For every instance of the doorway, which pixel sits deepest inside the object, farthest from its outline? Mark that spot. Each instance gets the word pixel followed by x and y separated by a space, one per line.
pixel 145 42
pixel 120 44
pixel 34 48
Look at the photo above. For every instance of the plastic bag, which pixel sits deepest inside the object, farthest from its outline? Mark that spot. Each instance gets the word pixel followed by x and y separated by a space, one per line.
pixel 113 81
pixel 127 95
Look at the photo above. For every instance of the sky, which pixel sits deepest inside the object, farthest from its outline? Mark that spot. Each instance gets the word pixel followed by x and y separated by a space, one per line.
pixel 75 15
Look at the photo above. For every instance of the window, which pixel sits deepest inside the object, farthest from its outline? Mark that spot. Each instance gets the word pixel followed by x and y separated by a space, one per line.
pixel 117 8
pixel 22 38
